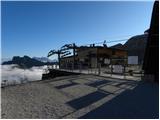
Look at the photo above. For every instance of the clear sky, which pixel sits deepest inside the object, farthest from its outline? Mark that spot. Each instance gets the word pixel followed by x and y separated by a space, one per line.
pixel 34 28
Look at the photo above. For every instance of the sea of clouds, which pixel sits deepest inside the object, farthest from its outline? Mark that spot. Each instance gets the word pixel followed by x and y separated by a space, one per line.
pixel 12 74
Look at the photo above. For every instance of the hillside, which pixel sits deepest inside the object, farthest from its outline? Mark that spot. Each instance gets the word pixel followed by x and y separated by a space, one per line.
pixel 135 46
pixel 118 46
pixel 26 62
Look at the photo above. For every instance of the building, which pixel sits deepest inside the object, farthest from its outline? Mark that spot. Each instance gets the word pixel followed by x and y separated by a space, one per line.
pixel 92 57
pixel 151 58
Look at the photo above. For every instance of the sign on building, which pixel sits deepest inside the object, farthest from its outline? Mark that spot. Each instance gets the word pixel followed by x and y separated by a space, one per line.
pixel 133 60
pixel 118 69
pixel 81 59
pixel 106 61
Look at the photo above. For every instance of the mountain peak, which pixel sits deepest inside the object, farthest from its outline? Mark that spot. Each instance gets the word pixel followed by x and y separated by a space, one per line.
pixel 135 46
pixel 26 62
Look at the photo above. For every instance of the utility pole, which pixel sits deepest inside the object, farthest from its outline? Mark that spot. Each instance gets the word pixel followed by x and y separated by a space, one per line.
pixel 59 58
pixel 151 57
pixel 74 55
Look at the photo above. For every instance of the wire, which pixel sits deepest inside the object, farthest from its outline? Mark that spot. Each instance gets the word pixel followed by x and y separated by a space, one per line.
pixel 117 41
pixel 105 42
pixel 117 37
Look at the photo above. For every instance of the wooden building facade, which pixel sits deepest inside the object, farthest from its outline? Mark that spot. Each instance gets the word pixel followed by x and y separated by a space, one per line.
pixel 91 57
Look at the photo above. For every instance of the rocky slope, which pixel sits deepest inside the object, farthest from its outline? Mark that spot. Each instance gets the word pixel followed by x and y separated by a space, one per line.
pixel 135 46
pixel 26 62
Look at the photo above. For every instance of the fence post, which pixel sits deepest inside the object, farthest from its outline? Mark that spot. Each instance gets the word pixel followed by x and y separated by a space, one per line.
pixel 95 70
pixel 72 66
pixel 99 68
pixel 124 71
pixel 80 67
pixel 88 69
pixel 111 69
pixel 91 69
pixel 111 66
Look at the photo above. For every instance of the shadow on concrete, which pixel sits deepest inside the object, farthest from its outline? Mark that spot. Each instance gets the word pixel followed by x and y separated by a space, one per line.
pixel 86 100
pixel 141 102
pixel 57 73
pixel 98 83
pixel 130 83
pixel 66 85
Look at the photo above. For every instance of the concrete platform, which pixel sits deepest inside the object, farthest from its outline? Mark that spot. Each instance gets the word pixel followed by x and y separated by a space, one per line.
pixel 81 96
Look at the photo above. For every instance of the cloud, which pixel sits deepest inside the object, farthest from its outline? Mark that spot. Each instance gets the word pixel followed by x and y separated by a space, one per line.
pixel 12 74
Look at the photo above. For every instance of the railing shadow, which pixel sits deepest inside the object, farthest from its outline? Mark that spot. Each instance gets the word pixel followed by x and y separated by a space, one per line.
pixel 141 102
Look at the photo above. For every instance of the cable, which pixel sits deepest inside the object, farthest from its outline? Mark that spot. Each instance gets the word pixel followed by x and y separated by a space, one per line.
pixel 106 42
pixel 117 41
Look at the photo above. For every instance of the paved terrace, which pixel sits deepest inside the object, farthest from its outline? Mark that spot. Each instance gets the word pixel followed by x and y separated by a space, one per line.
pixel 81 96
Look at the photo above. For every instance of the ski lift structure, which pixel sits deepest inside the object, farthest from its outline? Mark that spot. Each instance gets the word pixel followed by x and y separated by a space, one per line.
pixel 60 54
pixel 67 50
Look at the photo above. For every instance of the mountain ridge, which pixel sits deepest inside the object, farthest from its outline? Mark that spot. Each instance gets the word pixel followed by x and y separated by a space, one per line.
pixel 26 62
pixel 135 46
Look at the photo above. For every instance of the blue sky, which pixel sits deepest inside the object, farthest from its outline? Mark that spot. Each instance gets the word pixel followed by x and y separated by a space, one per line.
pixel 34 28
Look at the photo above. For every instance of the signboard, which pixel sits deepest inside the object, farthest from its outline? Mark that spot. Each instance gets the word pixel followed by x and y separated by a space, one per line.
pixel 118 68
pixel 81 60
pixel 133 60
pixel 107 61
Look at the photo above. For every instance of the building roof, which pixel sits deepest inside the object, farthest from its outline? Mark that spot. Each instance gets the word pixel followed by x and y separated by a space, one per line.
pixel 85 47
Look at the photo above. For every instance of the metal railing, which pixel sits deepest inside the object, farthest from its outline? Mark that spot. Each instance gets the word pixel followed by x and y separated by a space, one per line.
pixel 117 71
